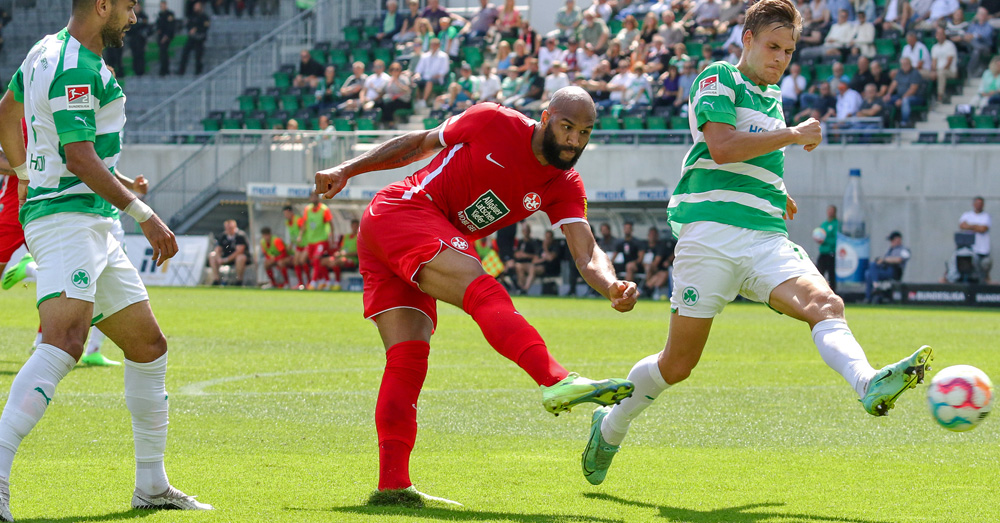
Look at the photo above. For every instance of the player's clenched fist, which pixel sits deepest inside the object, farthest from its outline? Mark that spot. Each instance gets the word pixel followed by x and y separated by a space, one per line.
pixel 161 239
pixel 623 295
pixel 808 134
pixel 329 182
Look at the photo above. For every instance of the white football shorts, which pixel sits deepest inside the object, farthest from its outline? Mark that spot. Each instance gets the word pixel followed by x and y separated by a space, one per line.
pixel 80 254
pixel 714 262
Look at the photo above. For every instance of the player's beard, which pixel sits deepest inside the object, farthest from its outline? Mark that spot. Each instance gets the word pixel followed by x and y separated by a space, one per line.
pixel 551 151
pixel 113 32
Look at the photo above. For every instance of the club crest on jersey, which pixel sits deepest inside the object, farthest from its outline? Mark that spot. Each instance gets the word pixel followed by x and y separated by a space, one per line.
pixel 78 98
pixel 459 243
pixel 532 201
pixel 709 85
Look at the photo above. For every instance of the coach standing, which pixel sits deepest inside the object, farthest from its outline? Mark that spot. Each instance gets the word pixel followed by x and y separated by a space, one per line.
pixel 137 37
pixel 197 27
pixel 165 29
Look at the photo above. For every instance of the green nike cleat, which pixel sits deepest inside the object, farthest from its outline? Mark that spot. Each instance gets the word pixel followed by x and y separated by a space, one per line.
pixel 408 497
pixel 893 380
pixel 597 456
pixel 575 389
pixel 17 272
pixel 98 360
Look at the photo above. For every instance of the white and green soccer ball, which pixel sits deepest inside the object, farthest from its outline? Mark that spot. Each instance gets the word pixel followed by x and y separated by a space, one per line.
pixel 960 397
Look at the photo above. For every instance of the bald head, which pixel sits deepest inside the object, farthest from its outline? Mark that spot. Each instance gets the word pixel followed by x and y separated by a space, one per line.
pixel 574 103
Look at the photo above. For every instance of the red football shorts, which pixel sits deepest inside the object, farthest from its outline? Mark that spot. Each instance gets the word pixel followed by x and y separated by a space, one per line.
pixel 11 232
pixel 397 238
pixel 317 250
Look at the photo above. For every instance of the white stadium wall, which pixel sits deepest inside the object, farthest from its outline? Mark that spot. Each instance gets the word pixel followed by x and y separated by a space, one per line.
pixel 919 190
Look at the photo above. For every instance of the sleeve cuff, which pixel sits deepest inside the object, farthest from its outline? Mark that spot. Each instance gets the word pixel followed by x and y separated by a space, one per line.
pixel 77 136
pixel 716 117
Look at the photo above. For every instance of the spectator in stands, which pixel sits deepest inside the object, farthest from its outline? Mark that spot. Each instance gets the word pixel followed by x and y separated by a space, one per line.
pixel 638 93
pixel 628 35
pixel 871 105
pixel 398 94
pixel 863 42
pixel 944 61
pixel 880 78
pixel 650 25
pixel 868 7
pixel 614 55
pixel 978 221
pixel 669 88
pixel 568 20
pixel 680 55
pixel 597 85
pixel 607 241
pixel 993 8
pixel 671 30
pixel 489 85
pixel 509 85
pixel 658 270
pixel 197 28
pixel 166 27
pixel 894 19
pixel 838 40
pixel 530 86
pixel 374 87
pixel 434 13
pixel 324 123
pixel 657 55
pixel 550 257
pixel 887 267
pixel 325 94
pixel 231 249
pixel 848 101
pixel 706 57
pixel 702 19
pixel 424 33
pixel 820 105
pixel 684 82
pixel 450 42
pixel 503 55
pixel 593 31
pixel 979 37
pixel 531 37
pixel 391 23
pixel 820 13
pixel 408 31
pixel 468 82
pixel 548 54
pixel 587 61
pixel 113 58
pixel 483 23
pixel 509 21
pixel 792 85
pixel 350 92
pixel 137 37
pixel 617 85
pixel 602 9
pixel 570 56
pixel 731 15
pixel 432 69
pixel 921 12
pixel 520 56
pixel 651 254
pixel 940 11
pixel 989 85
pixel 454 100
pixel 864 75
pixel 906 90
pixel 735 32
pixel 310 71
pixel 555 80
pixel 526 256
pixel 838 76
pixel 625 256
pixel 917 53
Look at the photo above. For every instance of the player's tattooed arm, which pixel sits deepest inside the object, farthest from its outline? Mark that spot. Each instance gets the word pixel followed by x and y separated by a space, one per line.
pixel 5 169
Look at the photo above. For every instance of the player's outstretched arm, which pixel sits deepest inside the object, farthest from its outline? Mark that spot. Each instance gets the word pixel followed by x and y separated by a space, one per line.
pixel 82 161
pixel 727 145
pixel 396 152
pixel 596 268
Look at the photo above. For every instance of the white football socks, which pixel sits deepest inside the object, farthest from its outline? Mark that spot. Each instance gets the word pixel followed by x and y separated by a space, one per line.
pixel 30 393
pixel 31 272
pixel 842 353
pixel 146 399
pixel 94 342
pixel 649 383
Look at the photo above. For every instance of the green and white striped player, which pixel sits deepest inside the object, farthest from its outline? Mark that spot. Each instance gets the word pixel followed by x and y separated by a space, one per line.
pixel 75 111
pixel 728 211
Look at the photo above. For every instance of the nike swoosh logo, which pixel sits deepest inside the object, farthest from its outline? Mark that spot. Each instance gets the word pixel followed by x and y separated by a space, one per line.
pixel 494 161
pixel 889 373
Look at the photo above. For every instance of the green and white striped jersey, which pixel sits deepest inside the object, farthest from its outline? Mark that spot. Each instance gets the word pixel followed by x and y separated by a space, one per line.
pixel 69 96
pixel 748 194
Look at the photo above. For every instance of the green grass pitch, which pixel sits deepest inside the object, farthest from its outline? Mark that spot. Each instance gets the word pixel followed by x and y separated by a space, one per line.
pixel 273 394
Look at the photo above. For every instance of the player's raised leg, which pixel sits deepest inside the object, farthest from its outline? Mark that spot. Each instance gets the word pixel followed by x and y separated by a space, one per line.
pixel 810 299
pixel 136 331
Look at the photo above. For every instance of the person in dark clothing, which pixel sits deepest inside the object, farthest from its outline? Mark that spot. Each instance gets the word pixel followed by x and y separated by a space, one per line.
pixel 136 38
pixel 113 58
pixel 166 27
pixel 197 27
pixel 626 253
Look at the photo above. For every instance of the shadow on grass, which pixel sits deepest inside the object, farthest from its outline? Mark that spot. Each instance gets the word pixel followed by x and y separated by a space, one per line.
pixel 110 516
pixel 459 514
pixel 740 514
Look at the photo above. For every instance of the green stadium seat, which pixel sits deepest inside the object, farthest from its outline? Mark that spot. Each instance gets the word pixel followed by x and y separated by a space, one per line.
pixel 851 70
pixel 352 34
pixel 274 123
pixel 211 124
pixel 657 123
pixel 958 121
pixel 371 30
pixel 247 103
pixel 254 123
pixel 694 49
pixel 632 123
pixel 318 55
pixel 365 124
pixel 982 121
pixel 614 25
pixel 338 58
pixel 362 55
pixel 232 123
pixel 885 47
pixel 290 102
pixel 680 122
pixel 402 115
pixel 381 53
pixel 267 103
pixel 343 125
pixel 609 123
pixel 821 72
pixel 430 123
pixel 282 79
pixel 473 55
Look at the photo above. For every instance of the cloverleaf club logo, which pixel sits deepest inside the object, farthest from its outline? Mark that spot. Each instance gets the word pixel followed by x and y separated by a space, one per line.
pixel 689 295
pixel 81 279
pixel 459 243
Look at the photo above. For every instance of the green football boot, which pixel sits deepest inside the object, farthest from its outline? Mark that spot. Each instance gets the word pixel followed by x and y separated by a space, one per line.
pixel 98 360
pixel 893 380
pixel 17 272
pixel 598 455
pixel 575 389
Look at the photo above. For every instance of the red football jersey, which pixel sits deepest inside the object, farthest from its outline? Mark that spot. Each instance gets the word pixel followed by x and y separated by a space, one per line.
pixel 487 176
pixel 8 184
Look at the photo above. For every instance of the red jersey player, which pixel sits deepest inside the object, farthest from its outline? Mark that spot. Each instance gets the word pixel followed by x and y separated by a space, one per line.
pixel 275 255
pixel 495 168
pixel 11 233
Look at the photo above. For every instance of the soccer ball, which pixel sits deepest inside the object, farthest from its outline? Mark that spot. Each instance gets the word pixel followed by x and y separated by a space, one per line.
pixel 960 397
pixel 819 235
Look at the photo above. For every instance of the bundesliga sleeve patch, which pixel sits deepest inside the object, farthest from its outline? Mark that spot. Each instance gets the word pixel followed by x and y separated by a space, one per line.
pixel 78 98
pixel 709 85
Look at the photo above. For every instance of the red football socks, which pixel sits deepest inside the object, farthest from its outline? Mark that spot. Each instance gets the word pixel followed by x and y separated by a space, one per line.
pixel 270 276
pixel 300 274
pixel 284 275
pixel 396 411
pixel 508 332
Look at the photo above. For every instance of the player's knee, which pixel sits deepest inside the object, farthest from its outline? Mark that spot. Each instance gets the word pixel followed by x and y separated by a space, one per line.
pixel 830 305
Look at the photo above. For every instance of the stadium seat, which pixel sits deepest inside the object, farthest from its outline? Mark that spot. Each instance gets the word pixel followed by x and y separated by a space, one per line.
pixel 821 72
pixel 381 53
pixel 657 123
pixel 233 121
pixel 632 123
pixel 338 58
pixel 366 124
pixel 352 34
pixel 282 79
pixel 318 55
pixel 290 102
pixel 255 123
pixel 247 102
pixel 609 123
pixel 211 124
pixel 982 121
pixel 343 125
pixel 693 48
pixel 430 123
pixel 680 122
pixel 958 121
pixel 362 55
pixel 267 103
pixel 402 115
pixel 885 47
